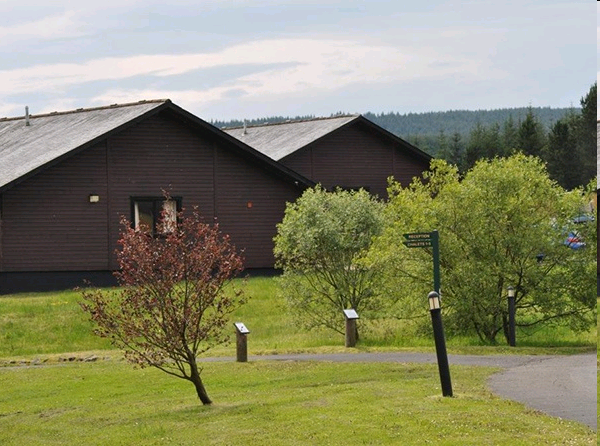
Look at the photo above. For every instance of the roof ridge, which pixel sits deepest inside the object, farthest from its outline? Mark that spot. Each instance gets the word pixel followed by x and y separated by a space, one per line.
pixel 83 110
pixel 294 121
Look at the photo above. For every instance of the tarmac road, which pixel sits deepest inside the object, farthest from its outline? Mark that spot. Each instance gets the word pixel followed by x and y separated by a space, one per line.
pixel 561 386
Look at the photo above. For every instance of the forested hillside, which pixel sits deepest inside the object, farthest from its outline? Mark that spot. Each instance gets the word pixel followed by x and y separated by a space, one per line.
pixel 565 138
pixel 428 130
pixel 425 129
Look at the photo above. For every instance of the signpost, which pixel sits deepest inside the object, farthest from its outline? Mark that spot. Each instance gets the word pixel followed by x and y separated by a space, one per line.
pixel 432 240
pixel 351 317
pixel 241 332
pixel 427 240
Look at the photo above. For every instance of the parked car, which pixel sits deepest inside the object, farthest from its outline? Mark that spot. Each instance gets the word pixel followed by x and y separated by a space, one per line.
pixel 574 239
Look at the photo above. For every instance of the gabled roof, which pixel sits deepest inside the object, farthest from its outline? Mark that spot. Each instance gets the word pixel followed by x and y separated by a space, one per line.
pixel 282 139
pixel 49 138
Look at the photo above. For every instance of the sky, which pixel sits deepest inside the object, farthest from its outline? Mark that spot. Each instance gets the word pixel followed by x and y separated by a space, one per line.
pixel 242 59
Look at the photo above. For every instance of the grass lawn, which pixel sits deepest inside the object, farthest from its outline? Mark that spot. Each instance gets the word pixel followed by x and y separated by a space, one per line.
pixel 267 403
pixel 46 324
pixel 258 403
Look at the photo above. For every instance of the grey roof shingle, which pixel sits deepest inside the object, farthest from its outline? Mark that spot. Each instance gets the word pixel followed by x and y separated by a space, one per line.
pixel 27 150
pixel 24 149
pixel 280 140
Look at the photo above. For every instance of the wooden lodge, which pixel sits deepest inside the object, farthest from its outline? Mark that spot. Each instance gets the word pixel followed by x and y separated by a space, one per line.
pixel 67 178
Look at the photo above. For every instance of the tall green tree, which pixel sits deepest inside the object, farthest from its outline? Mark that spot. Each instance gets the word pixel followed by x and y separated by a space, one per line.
pixel 571 151
pixel 476 146
pixel 453 152
pixel 586 132
pixel 492 141
pixel 442 144
pixel 561 153
pixel 484 142
pixel 531 135
pixel 509 136
pixel 503 224
pixel 319 245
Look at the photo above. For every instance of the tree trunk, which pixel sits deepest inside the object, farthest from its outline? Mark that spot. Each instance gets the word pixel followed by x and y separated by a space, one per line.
pixel 201 391
pixel 197 381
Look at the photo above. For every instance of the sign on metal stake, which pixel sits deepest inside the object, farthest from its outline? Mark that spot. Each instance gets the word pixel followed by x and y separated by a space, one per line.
pixel 427 240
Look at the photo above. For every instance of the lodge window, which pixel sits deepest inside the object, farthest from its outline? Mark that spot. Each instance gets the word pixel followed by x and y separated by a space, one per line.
pixel 155 215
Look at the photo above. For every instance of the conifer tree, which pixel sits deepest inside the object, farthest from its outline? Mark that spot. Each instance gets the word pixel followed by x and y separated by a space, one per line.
pixel 531 138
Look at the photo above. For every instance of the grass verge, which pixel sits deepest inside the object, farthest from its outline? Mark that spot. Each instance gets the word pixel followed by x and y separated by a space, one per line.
pixel 267 403
pixel 52 326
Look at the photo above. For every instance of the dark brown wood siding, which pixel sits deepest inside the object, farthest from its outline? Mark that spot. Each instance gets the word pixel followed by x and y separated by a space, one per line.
pixel 49 223
pixel 407 167
pixel 301 162
pixel 250 203
pixel 158 154
pixel 1 200
pixel 354 156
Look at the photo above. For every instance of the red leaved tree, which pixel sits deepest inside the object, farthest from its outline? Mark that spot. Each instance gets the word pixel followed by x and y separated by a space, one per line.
pixel 172 305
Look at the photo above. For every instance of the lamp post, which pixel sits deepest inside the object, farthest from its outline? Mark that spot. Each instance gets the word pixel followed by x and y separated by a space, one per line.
pixel 440 342
pixel 511 316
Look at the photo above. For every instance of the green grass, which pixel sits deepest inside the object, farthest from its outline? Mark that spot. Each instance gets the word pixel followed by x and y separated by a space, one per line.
pixel 44 323
pixel 267 403
pixel 273 329
pixel 260 403
pixel 50 324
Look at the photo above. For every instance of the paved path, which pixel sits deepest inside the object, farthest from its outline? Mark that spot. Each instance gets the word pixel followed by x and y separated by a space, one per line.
pixel 561 386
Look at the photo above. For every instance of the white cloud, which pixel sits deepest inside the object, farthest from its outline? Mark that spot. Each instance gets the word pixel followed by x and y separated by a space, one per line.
pixel 51 27
pixel 305 65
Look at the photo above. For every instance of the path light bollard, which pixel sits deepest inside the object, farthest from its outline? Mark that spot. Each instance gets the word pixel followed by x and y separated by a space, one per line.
pixel 511 317
pixel 351 317
pixel 440 342
pixel 241 333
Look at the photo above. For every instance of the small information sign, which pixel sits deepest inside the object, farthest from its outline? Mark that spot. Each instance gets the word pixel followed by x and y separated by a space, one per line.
pixel 418 240
pixel 241 328
pixel 351 314
pixel 427 240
